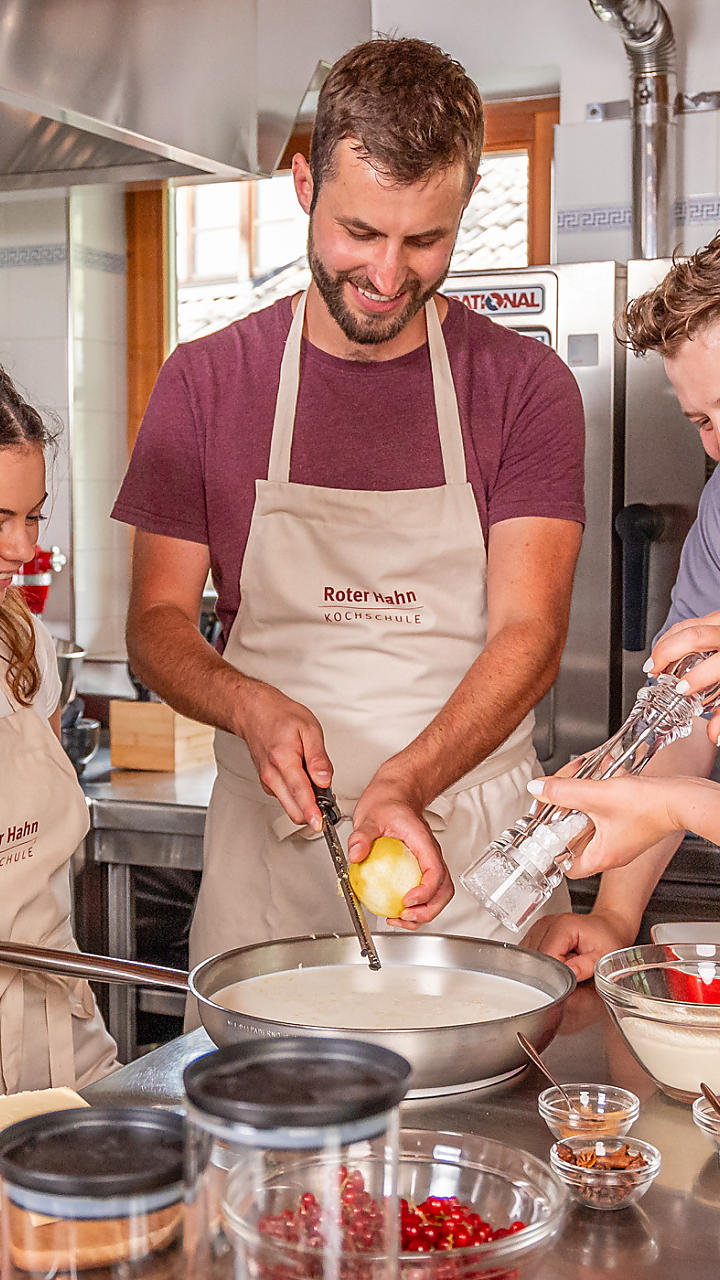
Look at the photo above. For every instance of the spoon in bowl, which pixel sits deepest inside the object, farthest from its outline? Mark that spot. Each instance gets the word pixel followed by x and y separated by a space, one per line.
pixel 712 1097
pixel 534 1056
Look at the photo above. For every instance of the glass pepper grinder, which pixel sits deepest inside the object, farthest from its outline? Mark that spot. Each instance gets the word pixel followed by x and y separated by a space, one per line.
pixel 519 870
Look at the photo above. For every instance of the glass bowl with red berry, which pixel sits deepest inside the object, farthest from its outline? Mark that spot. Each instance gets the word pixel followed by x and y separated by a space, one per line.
pixel 468 1208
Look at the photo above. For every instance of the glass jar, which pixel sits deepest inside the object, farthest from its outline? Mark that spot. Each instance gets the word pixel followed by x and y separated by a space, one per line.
pixel 292 1160
pixel 93 1193
pixel 519 870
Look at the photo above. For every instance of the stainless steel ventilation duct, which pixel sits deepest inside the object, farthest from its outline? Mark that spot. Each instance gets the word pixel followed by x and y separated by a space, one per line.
pixel 121 90
pixel 647 34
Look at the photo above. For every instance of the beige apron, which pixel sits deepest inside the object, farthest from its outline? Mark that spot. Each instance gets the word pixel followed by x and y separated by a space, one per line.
pixel 51 1032
pixel 368 608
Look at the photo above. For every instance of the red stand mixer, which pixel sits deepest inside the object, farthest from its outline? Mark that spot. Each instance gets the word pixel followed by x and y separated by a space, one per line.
pixel 36 576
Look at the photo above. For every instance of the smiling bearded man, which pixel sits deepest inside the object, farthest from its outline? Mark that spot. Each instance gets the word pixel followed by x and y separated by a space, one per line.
pixel 373 434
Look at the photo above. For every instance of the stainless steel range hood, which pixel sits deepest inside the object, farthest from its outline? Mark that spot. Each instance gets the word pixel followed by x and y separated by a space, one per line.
pixel 128 90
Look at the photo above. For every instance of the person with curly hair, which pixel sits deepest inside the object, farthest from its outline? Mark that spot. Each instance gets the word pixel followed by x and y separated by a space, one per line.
pixel 51 1032
pixel 641 821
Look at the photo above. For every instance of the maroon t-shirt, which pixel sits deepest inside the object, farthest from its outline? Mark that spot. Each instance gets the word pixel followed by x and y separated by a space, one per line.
pixel 205 437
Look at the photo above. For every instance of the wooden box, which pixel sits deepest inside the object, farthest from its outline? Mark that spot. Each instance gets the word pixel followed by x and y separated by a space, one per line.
pixel 150 735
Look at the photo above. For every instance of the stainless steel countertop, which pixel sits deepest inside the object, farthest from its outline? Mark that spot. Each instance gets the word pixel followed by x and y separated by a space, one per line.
pixel 674 1231
pixel 135 800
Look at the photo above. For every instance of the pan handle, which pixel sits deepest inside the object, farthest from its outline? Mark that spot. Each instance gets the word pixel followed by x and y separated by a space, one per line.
pixel 79 964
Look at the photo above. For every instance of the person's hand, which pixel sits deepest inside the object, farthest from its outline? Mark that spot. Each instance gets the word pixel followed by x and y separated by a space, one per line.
pixel 579 941
pixel 388 807
pixel 692 635
pixel 286 744
pixel 630 815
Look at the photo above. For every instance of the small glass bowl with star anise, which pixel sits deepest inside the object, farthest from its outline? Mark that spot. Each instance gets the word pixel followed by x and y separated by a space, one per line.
pixel 607 1173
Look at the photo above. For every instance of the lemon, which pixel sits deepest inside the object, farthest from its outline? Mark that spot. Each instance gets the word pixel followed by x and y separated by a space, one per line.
pixel 383 878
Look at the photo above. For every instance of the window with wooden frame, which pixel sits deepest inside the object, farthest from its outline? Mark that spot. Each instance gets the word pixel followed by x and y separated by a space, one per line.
pixel 250 231
pixel 527 125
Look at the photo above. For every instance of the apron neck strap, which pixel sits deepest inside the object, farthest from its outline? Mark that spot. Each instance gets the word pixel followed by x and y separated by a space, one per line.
pixel 446 407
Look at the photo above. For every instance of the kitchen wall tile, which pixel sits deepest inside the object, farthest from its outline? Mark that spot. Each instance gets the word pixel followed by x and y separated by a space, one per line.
pixel 101 606
pixel 34 301
pixel 698 150
pixel 92 505
pixel 592 192
pixel 40 367
pixel 97 217
pixel 100 446
pixel 33 222
pixel 96 581
pixel 99 303
pixel 99 375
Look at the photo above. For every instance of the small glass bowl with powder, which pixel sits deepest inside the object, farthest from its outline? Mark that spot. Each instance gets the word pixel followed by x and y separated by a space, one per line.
pixel 598 1110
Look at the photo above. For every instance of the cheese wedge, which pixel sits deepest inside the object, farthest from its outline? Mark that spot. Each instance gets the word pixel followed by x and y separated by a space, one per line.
pixel 36 1102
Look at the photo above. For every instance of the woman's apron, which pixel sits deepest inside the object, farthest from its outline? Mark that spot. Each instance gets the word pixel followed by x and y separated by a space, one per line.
pixel 51 1032
pixel 368 608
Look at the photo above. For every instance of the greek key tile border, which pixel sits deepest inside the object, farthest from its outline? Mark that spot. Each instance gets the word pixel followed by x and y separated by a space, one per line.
pixel 618 217
pixel 53 255
pixel 99 260
pixel 698 209
pixel 605 217
pixel 33 255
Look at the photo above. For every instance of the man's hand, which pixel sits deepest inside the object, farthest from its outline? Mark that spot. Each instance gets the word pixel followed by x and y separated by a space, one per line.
pixel 388 807
pixel 286 744
pixel 579 941
pixel 692 635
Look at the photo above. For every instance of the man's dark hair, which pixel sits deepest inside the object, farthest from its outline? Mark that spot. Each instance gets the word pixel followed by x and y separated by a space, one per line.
pixel 409 108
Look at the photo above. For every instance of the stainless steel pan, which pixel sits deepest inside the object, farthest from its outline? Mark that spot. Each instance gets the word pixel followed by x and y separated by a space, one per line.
pixel 444 1059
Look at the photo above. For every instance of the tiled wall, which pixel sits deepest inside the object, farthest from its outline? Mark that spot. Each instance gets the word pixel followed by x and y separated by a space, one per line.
pixel 63 338
pixel 34 344
pixel 98 285
pixel 594 187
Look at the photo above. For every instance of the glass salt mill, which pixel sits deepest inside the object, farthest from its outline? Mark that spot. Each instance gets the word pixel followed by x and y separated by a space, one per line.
pixel 519 870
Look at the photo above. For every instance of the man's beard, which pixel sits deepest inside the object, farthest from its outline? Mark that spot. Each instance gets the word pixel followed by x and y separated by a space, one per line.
pixel 369 329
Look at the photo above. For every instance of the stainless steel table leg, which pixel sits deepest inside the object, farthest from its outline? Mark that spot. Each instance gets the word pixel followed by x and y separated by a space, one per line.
pixel 122 1019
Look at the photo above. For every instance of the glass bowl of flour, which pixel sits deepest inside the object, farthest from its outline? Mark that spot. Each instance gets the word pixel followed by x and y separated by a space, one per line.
pixel 661 997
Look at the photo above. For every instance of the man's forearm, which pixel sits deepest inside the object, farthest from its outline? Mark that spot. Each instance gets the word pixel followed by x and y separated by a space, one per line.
pixel 168 653
pixel 507 680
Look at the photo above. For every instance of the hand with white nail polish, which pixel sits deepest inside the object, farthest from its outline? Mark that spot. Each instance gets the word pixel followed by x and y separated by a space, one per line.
pixel 632 813
pixel 692 635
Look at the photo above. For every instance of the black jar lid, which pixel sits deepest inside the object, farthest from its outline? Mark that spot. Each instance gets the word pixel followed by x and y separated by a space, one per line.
pixel 94 1152
pixel 297 1081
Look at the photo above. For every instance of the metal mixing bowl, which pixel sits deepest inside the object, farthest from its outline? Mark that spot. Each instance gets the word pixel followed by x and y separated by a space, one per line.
pixel 69 657
pixel 444 1059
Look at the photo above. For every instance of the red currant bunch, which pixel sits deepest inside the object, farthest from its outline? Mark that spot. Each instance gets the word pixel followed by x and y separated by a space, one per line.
pixel 443 1223
pixel 437 1224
